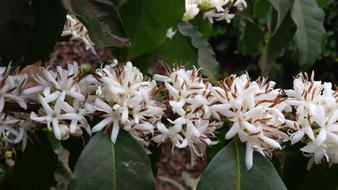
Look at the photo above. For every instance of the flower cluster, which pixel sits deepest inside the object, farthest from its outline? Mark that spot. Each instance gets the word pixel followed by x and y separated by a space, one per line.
pixel 194 110
pixel 127 101
pixel 13 126
pixel 255 111
pixel 181 107
pixel 213 9
pixel 66 97
pixel 316 118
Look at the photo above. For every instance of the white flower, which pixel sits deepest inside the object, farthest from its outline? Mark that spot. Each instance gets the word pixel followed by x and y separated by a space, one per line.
pixel 191 10
pixel 240 5
pixel 53 116
pixel 218 16
pixel 171 32
pixel 316 116
pixel 128 102
pixel 9 90
pixel 254 112
pixel 74 28
pixel 190 98
pixel 7 130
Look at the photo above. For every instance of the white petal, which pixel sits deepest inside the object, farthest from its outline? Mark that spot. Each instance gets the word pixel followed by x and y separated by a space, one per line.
pixel 309 132
pixel 233 131
pixel 297 136
pixel 321 137
pixel 56 129
pixel 161 78
pixel 271 142
pixel 70 116
pixel 102 124
pixel 2 104
pixel 115 131
pixel 248 156
pixel 103 106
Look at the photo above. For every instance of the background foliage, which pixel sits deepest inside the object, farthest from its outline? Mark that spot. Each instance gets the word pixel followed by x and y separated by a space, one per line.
pixel 278 38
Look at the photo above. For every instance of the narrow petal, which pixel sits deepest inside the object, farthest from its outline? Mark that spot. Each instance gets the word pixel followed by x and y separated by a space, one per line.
pixel 56 129
pixel 102 124
pixel 2 104
pixel 115 131
pixel 233 131
pixel 248 156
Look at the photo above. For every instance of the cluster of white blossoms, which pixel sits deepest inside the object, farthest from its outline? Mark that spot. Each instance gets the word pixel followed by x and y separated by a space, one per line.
pixel 212 9
pixel 77 31
pixel 255 111
pixel 13 126
pixel 127 101
pixel 316 118
pixel 66 97
pixel 182 108
pixel 194 112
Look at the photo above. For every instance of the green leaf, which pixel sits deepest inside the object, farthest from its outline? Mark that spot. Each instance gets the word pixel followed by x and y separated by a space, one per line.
pixel 16 23
pixel 251 39
pixel 296 176
pixel 261 8
pixel 275 44
pixel 178 50
pixel 206 55
pixel 34 168
pixel 147 21
pixel 227 171
pixel 103 165
pixel 29 30
pixel 309 19
pixel 282 7
pixel 50 17
pixel 102 19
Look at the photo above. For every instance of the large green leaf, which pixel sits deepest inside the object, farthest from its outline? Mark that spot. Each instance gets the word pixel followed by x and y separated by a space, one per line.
pixel 296 176
pixel 206 56
pixel 34 168
pixel 102 19
pixel 309 19
pixel 15 29
pixel 227 171
pixel 275 44
pixel 147 21
pixel 50 17
pixel 29 30
pixel 178 50
pixel 123 166
pixel 252 37
pixel 282 7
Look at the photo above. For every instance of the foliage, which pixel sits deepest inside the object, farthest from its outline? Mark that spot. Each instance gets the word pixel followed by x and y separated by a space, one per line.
pixel 275 38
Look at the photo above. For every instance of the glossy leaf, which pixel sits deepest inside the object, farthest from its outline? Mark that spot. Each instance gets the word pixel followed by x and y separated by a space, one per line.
pixel 261 8
pixel 50 17
pixel 275 44
pixel 227 171
pixel 178 50
pixel 103 165
pixel 102 19
pixel 29 30
pixel 251 39
pixel 147 21
pixel 282 7
pixel 296 176
pixel 34 168
pixel 206 55
pixel 309 19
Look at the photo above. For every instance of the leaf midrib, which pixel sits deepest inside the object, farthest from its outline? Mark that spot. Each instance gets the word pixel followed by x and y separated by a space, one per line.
pixel 238 165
